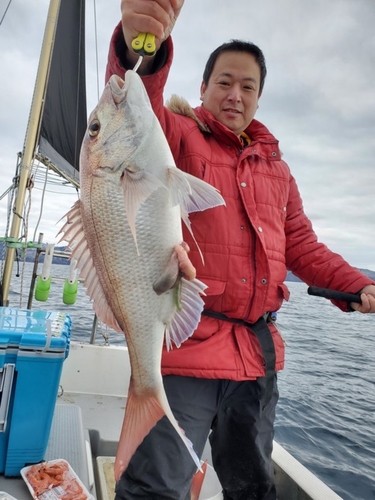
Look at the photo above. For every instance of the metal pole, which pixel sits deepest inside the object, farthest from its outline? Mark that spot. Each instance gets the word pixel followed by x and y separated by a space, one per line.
pixel 31 138
pixel 93 329
pixel 35 272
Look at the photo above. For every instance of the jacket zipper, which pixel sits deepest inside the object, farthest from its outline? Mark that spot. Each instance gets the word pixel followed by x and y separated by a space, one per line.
pixel 253 251
pixel 253 238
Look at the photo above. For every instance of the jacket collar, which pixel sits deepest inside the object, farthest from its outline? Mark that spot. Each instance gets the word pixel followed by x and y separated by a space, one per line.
pixel 208 124
pixel 256 130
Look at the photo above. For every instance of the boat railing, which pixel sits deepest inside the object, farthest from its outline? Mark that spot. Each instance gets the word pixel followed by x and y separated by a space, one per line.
pixel 41 250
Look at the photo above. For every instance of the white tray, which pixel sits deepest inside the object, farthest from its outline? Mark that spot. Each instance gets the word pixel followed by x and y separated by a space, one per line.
pixel 5 496
pixel 56 493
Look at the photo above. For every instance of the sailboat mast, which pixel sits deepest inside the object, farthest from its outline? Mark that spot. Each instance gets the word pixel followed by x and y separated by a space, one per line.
pixel 31 138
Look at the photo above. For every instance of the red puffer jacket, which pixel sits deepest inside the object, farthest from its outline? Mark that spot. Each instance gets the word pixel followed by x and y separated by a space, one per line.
pixel 247 245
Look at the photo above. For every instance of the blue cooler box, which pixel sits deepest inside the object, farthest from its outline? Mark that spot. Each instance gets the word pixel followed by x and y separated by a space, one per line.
pixel 33 346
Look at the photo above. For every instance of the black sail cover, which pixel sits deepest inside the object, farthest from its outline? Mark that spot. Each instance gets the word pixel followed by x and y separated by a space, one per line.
pixel 65 114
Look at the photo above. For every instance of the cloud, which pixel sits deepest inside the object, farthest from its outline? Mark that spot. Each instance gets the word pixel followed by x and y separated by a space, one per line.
pixel 318 100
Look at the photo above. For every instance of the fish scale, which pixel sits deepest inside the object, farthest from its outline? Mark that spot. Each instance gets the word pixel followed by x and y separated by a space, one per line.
pixel 123 231
pixel 130 279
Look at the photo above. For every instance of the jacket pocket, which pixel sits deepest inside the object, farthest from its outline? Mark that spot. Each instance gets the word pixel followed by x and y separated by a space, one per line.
pixel 214 286
pixel 283 291
pixel 214 292
pixel 279 343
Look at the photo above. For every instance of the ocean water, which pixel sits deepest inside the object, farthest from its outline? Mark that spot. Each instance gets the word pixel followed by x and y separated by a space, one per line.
pixel 326 412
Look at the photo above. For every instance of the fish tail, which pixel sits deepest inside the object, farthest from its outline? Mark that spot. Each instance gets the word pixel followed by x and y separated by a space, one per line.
pixel 141 415
pixel 185 440
pixel 197 482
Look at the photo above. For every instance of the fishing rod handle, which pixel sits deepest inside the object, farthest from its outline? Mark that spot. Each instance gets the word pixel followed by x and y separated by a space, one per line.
pixel 334 294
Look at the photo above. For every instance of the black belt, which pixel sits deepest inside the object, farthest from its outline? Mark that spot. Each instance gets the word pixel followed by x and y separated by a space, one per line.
pixel 263 334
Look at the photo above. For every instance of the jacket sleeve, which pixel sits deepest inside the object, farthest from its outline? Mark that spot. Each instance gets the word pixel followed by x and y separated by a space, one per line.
pixel 153 83
pixel 311 260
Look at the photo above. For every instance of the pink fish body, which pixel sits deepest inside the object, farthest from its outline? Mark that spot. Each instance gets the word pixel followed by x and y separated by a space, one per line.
pixel 122 232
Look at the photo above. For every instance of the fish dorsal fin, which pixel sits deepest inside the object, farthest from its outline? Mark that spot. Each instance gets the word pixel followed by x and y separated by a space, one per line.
pixel 138 185
pixel 187 315
pixel 73 233
pixel 193 195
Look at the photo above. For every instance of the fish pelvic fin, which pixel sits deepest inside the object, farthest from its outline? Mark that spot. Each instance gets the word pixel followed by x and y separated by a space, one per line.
pixel 189 306
pixel 193 195
pixel 141 415
pixel 177 266
pixel 168 279
pixel 73 233
pixel 138 185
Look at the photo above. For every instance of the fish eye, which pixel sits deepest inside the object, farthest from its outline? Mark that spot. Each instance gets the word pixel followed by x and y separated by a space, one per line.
pixel 94 128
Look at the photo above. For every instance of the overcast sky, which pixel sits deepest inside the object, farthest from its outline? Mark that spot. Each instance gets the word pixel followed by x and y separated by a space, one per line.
pixel 318 100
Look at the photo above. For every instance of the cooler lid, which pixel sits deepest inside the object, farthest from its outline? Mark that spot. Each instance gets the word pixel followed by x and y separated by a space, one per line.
pixel 37 328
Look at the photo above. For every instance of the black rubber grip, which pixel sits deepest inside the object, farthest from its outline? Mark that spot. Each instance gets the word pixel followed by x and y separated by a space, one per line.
pixel 334 294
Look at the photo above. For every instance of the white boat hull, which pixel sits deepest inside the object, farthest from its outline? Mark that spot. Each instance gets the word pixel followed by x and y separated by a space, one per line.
pixel 92 373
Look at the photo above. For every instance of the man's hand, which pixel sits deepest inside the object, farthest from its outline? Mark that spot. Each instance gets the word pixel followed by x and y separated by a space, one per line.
pixel 148 16
pixel 185 266
pixel 368 300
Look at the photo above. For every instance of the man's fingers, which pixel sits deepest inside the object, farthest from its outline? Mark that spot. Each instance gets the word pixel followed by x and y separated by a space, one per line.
pixel 147 16
pixel 184 263
pixel 367 306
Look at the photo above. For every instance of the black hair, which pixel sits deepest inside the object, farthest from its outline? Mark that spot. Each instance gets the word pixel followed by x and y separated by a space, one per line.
pixel 237 46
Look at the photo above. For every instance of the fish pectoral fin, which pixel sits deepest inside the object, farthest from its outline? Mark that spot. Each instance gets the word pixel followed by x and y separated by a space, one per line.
pixel 185 218
pixel 186 317
pixel 138 185
pixel 191 193
pixel 73 233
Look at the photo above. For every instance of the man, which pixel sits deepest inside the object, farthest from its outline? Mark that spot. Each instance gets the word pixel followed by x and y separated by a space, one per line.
pixel 223 378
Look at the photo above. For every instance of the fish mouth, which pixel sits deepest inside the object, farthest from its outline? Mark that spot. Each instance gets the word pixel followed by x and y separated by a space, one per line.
pixel 130 95
pixel 118 88
pixel 132 80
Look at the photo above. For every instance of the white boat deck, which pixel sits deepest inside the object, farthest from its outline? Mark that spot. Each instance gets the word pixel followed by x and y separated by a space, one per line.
pixel 88 419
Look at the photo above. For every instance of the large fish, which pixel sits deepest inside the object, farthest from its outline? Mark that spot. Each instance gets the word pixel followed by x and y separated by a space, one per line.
pixel 123 231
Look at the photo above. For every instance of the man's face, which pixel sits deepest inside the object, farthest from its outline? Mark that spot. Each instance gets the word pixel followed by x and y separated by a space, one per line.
pixel 232 92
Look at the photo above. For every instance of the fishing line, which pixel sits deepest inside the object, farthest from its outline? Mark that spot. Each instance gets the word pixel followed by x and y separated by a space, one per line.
pixel 11 196
pixel 25 224
pixel 6 10
pixel 96 50
pixel 50 191
pixel 6 192
pixel 82 10
pixel 41 203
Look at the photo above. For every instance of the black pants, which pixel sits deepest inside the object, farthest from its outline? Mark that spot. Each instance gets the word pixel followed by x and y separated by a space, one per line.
pixel 241 442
